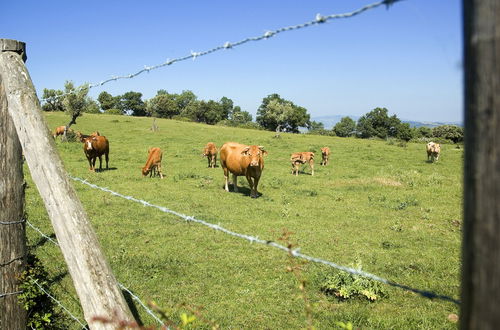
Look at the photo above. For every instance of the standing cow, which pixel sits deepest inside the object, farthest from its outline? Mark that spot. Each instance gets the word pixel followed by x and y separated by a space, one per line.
pixel 299 158
pixel 96 146
pixel 433 151
pixel 240 159
pixel 210 151
pixel 325 155
pixel 60 131
pixel 153 164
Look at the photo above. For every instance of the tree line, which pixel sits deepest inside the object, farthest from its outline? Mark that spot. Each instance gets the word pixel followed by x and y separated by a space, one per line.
pixel 275 114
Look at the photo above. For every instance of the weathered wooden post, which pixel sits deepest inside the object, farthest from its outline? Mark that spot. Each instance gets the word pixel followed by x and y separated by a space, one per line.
pixel 92 277
pixel 481 240
pixel 12 226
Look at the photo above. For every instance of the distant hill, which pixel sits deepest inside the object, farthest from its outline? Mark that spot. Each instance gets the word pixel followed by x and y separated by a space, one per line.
pixel 330 121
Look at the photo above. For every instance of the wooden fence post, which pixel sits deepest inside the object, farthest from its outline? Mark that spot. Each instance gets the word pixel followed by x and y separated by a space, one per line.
pixel 12 226
pixel 92 277
pixel 481 230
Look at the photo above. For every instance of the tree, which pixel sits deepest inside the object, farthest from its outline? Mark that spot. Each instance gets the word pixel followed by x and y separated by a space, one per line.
pixel 75 101
pixel 449 132
pixel 227 106
pixel 185 98
pixel 345 127
pixel 377 123
pixel 238 116
pixel 107 101
pixel 163 105
pixel 53 100
pixel 277 114
pixel 132 103
pixel 404 132
pixel 92 106
pixel 424 131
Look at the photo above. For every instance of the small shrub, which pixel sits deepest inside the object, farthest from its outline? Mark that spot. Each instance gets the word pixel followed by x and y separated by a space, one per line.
pixel 345 286
pixel 113 112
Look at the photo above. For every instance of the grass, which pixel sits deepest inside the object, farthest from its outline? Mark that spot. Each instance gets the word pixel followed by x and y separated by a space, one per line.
pixel 380 204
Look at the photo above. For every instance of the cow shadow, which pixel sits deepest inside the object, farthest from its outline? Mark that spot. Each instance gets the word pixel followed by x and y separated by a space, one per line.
pixel 105 169
pixel 241 190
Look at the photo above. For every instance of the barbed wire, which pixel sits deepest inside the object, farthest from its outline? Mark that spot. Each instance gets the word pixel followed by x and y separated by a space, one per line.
pixel 293 252
pixel 2 295
pixel 149 311
pixel 12 222
pixel 319 19
pixel 84 326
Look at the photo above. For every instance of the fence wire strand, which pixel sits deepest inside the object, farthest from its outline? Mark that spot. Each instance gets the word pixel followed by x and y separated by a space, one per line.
pixel 136 298
pixel 319 19
pixel 295 253
pixel 84 326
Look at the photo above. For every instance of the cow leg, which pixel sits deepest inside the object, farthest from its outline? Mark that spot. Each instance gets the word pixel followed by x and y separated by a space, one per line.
pixel 90 164
pixel 106 156
pixel 100 163
pixel 235 183
pixel 93 163
pixel 159 171
pixel 209 161
pixel 215 160
pixel 311 164
pixel 226 178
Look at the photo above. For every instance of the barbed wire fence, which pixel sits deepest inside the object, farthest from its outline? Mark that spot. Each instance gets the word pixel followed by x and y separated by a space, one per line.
pixel 319 19
pixel 134 297
pixel 293 252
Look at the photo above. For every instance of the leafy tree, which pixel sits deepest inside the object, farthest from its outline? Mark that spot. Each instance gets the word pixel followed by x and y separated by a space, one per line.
pixel 345 127
pixel 53 100
pixel 449 132
pixel 239 117
pixel 163 105
pixel 107 101
pixel 92 106
pixel 315 126
pixel 75 101
pixel 227 106
pixel 277 114
pixel 377 123
pixel 185 98
pixel 423 131
pixel 132 103
pixel 404 132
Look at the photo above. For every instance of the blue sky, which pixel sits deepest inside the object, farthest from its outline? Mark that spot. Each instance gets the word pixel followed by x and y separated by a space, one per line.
pixel 406 58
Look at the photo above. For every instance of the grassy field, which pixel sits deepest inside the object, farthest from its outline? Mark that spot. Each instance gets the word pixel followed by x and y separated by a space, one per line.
pixel 377 204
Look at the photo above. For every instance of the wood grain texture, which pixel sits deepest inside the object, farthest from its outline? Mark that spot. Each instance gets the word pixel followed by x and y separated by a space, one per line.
pixel 481 240
pixel 94 282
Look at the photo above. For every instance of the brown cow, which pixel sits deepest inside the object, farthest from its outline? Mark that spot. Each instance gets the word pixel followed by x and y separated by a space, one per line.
pixel 298 158
pixel 60 131
pixel 433 150
pixel 210 151
pixel 96 146
pixel 325 155
pixel 153 164
pixel 240 159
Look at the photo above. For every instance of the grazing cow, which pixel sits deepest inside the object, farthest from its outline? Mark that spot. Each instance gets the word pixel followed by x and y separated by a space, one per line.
pixel 240 159
pixel 325 155
pixel 210 151
pixel 153 164
pixel 433 150
pixel 298 158
pixel 60 131
pixel 96 146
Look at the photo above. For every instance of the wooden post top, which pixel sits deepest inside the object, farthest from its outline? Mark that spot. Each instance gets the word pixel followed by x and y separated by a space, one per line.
pixel 10 45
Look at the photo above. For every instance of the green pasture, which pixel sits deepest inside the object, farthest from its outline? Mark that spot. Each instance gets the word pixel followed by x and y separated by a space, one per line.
pixel 378 203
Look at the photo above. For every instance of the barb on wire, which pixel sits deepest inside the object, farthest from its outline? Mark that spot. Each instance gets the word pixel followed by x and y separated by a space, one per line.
pixel 149 311
pixel 319 19
pixel 295 253
pixel 12 222
pixel 60 304
pixel 12 260
pixel 2 295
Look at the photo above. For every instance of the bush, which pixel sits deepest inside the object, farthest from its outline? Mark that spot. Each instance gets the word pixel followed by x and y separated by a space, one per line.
pixel 345 286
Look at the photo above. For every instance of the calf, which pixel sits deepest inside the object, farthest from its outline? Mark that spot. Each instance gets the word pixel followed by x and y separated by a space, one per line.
pixel 325 155
pixel 60 131
pixel 298 158
pixel 96 146
pixel 153 164
pixel 240 159
pixel 210 151
pixel 433 151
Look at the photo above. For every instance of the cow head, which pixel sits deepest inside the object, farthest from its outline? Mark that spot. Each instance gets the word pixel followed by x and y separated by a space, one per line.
pixel 255 153
pixel 87 142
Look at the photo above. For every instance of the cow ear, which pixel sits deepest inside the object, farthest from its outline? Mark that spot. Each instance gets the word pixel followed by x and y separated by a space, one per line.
pixel 245 151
